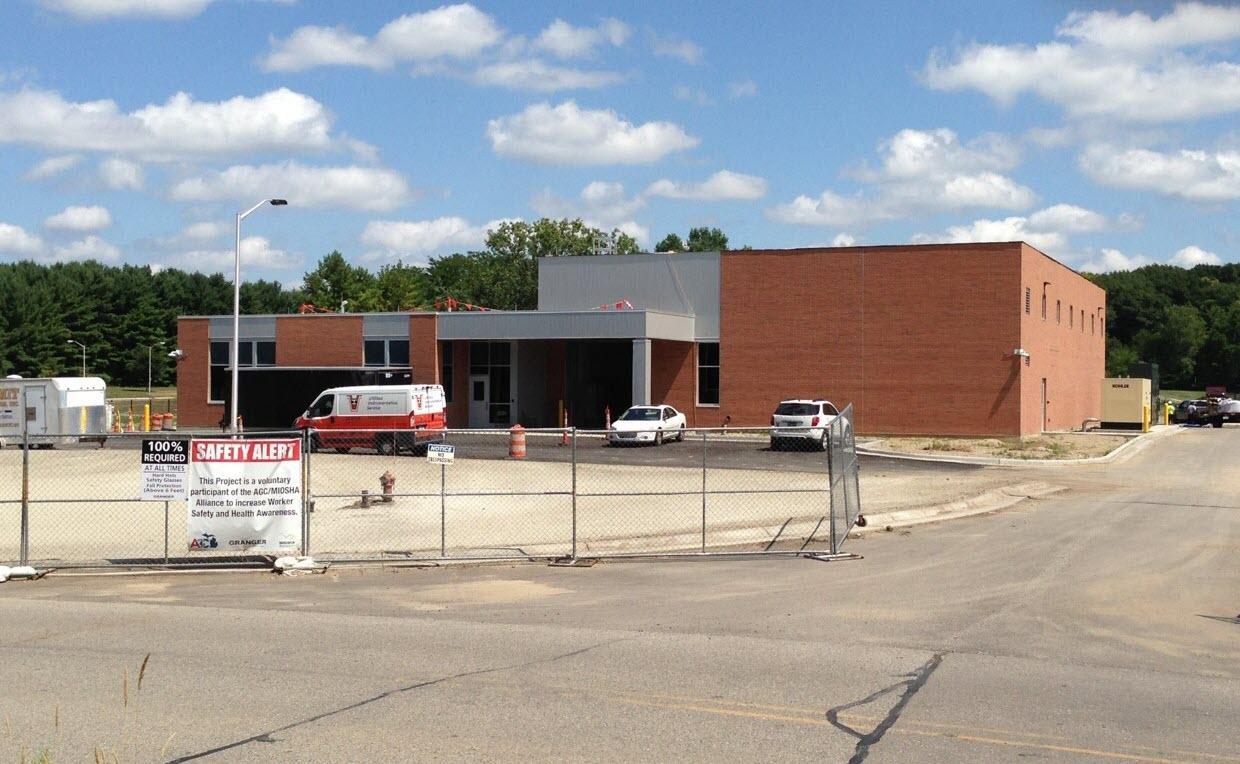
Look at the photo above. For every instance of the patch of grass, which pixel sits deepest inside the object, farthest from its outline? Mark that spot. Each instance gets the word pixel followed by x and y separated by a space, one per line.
pixel 1182 395
pixel 121 391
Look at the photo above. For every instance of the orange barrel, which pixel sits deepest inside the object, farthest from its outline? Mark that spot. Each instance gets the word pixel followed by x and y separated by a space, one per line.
pixel 516 442
pixel 166 422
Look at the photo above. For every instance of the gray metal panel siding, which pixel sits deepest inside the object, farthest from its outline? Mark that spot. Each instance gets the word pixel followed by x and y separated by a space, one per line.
pixel 252 327
pixel 385 325
pixel 538 325
pixel 664 326
pixel 685 282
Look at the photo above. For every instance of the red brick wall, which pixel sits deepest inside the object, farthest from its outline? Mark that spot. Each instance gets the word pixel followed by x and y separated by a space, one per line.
pixel 194 375
pixel 914 337
pixel 673 380
pixel 319 340
pixel 1070 354
pixel 423 350
pixel 458 409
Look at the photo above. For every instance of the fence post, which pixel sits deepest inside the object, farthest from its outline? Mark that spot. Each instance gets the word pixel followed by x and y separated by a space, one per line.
pixel 831 487
pixel 25 530
pixel 165 533
pixel 703 491
pixel 574 461
pixel 443 513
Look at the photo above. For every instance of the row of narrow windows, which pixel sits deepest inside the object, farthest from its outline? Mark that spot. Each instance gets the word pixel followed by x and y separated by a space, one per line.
pixel 1075 317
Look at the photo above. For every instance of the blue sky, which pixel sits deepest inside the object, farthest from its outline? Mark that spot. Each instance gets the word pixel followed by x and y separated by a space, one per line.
pixel 132 130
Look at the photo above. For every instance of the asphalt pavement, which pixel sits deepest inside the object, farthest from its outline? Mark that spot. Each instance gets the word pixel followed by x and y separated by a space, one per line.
pixel 1095 625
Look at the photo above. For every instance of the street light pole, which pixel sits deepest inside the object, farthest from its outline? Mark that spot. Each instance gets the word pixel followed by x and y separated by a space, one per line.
pixel 149 348
pixel 75 342
pixel 236 323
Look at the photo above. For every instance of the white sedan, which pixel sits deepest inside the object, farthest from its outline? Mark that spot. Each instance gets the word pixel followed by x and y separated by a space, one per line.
pixel 647 424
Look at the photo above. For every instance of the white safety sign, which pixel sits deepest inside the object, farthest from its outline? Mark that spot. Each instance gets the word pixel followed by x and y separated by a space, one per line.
pixel 165 470
pixel 245 495
pixel 440 453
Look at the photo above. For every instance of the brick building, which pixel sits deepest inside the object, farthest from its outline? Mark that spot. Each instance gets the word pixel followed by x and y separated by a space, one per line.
pixel 952 339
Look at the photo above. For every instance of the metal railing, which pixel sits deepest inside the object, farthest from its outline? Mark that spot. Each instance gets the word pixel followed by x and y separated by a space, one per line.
pixel 375 495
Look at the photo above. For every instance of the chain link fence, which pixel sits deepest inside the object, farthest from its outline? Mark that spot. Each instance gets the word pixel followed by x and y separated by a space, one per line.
pixel 375 495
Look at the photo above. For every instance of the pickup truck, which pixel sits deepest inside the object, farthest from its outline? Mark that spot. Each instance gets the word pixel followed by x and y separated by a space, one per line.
pixel 1223 410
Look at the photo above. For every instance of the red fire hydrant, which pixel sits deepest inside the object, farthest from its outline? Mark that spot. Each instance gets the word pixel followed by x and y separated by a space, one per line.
pixel 387 481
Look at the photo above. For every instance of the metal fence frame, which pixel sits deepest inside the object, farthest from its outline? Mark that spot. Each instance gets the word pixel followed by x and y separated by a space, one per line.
pixel 839 493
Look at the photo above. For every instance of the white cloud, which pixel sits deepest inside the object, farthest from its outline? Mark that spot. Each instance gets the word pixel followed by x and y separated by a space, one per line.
pixel 1194 255
pixel 745 88
pixel 844 240
pixel 348 187
pixel 1126 67
pixel 279 120
pixel 1068 218
pixel 90 248
pixel 80 219
pixel 414 240
pixel 606 204
pixel 52 166
pixel 724 184
pixel 205 230
pixel 693 95
pixel 1113 260
pixel 672 47
pixel 1197 175
pixel 920 172
pixel 564 40
pixel 569 135
pixel 1187 24
pixel 16 240
pixel 1047 229
pixel 1007 229
pixel 120 174
pixel 256 252
pixel 539 76
pixel 451 31
pixel 90 10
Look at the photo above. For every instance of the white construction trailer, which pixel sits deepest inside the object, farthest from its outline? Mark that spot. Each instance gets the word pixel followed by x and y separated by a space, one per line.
pixel 53 410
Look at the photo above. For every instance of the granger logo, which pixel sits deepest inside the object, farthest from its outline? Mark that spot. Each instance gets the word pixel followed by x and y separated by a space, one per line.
pixel 354 400
pixel 204 541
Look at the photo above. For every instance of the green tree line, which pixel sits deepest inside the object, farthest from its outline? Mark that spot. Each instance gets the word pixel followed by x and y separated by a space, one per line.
pixel 1185 320
pixel 119 312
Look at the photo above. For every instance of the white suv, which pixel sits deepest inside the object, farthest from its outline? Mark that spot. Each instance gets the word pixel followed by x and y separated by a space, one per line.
pixel 806 422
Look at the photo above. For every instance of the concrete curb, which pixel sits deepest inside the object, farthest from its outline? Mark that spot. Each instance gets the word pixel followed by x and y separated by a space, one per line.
pixel 1126 450
pixel 984 503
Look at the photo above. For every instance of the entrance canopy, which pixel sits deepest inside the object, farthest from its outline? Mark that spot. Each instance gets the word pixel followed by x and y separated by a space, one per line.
pixel 566 325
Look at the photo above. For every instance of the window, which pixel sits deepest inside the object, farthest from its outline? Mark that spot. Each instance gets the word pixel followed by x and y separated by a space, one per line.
pixel 1058 313
pixel 1082 320
pixel 1071 314
pixel 251 353
pixel 1028 299
pixel 445 369
pixel 1091 323
pixel 1043 304
pixel 708 373
pixel 386 353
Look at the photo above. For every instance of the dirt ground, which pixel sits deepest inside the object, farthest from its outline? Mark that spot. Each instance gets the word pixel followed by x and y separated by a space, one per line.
pixel 1067 445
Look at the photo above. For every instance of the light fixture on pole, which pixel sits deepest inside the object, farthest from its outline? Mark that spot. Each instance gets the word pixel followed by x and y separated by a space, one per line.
pixel 75 342
pixel 149 348
pixel 236 323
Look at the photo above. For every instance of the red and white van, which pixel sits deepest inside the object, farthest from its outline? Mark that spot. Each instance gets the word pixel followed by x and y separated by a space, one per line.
pixel 387 418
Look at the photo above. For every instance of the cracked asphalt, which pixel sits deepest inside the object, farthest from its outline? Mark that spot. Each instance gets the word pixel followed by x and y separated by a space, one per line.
pixel 1097 624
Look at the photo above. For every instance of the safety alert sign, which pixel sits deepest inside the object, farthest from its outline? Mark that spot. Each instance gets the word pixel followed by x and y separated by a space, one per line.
pixel 245 495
